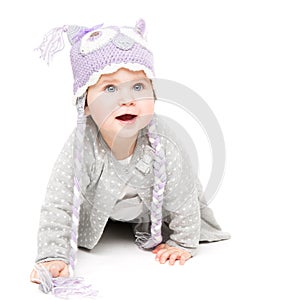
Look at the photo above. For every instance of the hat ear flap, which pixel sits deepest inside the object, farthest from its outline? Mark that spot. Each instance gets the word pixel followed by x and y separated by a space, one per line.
pixel 140 27
pixel 73 31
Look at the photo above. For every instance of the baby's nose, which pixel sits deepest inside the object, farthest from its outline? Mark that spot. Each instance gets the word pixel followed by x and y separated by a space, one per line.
pixel 128 100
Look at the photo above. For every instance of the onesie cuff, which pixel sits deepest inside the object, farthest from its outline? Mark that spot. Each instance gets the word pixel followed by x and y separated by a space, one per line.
pixel 192 251
pixel 38 261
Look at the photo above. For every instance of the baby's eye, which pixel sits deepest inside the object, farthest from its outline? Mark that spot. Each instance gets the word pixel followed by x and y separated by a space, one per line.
pixel 138 87
pixel 110 88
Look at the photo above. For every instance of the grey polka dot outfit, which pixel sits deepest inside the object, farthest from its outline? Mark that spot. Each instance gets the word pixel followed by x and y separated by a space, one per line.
pixel 123 191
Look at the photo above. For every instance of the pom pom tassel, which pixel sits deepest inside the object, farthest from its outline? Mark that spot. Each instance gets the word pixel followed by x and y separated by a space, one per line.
pixel 141 239
pixel 53 42
pixel 144 240
pixel 63 287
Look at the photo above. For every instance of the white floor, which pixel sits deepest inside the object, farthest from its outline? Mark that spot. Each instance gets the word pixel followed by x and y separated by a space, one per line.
pixel 233 269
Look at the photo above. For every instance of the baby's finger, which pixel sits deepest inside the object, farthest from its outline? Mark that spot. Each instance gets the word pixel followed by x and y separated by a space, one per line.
pixel 163 249
pixel 34 277
pixel 184 257
pixel 54 270
pixel 164 256
pixel 173 258
pixel 159 253
pixel 159 247
pixel 65 272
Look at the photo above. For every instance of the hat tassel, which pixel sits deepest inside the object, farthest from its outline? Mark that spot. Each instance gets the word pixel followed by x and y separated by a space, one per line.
pixel 53 42
pixel 63 286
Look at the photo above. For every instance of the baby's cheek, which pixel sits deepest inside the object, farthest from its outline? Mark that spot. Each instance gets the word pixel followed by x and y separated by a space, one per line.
pixel 102 110
pixel 146 106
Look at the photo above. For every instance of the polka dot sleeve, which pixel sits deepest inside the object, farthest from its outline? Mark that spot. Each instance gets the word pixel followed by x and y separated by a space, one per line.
pixel 55 218
pixel 181 204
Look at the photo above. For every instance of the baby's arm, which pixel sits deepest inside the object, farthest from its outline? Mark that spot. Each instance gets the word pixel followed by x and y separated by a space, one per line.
pixel 184 224
pixel 181 206
pixel 55 219
pixel 184 239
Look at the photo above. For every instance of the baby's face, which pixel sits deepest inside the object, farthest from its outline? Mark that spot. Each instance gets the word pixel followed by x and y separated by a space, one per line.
pixel 121 103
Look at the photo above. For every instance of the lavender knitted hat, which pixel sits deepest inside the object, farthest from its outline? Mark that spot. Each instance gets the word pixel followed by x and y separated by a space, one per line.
pixel 100 50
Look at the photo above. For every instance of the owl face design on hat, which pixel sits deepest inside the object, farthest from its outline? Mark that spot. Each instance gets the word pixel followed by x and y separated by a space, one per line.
pixel 103 50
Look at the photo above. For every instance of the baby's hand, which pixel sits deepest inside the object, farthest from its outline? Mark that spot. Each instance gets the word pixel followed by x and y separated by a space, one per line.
pixel 57 268
pixel 165 252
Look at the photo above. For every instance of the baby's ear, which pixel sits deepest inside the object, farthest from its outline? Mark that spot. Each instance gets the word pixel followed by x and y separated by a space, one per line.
pixel 140 26
pixel 73 31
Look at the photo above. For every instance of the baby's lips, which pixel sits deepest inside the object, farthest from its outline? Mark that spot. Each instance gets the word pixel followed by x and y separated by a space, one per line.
pixel 126 117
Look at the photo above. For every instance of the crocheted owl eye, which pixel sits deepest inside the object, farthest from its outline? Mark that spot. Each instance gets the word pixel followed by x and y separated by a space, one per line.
pixel 95 35
pixel 96 39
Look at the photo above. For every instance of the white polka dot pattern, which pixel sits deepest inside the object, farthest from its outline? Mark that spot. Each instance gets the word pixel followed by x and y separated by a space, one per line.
pixel 102 184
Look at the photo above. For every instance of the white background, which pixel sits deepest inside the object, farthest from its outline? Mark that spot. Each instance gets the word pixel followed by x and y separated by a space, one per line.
pixel 243 58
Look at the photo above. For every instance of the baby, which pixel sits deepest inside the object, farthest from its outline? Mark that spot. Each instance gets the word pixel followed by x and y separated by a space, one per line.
pixel 122 162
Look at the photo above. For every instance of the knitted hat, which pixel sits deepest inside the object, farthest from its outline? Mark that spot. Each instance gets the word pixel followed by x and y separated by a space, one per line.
pixel 100 50
pixel 96 51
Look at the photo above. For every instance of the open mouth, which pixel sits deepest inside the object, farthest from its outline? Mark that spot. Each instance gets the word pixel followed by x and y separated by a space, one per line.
pixel 126 117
